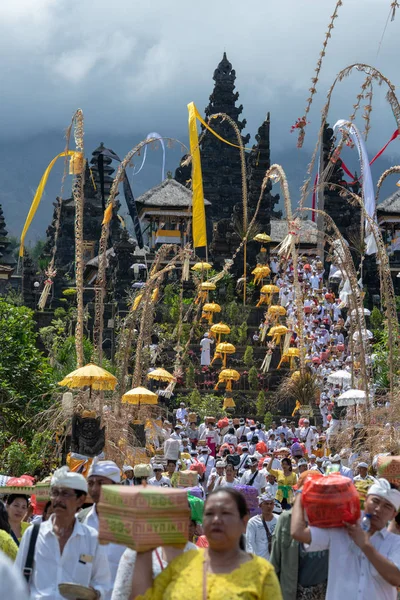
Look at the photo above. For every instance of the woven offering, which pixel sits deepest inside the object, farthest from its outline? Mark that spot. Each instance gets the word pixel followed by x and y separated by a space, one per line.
pixel 389 468
pixel 251 495
pixel 187 479
pixel 330 501
pixel 143 517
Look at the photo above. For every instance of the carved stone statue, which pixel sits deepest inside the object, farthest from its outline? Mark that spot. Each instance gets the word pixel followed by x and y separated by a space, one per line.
pixel 88 438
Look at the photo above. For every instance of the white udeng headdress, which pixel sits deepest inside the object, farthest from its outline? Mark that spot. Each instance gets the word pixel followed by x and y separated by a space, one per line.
pixel 382 489
pixel 63 477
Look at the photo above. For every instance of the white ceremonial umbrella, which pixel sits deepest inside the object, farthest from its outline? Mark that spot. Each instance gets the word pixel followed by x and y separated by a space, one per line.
pixel 366 334
pixel 351 397
pixel 339 377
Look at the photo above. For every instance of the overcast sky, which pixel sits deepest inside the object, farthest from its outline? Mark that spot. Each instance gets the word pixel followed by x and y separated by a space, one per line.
pixel 133 66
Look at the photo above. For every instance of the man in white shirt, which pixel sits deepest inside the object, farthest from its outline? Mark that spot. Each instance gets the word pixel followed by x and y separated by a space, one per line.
pixel 66 551
pixel 182 413
pixel 362 565
pixel 176 435
pixel 242 430
pixel 345 471
pixel 363 475
pixel 307 436
pixel 13 585
pixel 159 480
pixel 253 477
pixel 102 472
pixel 129 477
pixel 261 527
pixel 271 487
pixel 207 460
pixel 283 428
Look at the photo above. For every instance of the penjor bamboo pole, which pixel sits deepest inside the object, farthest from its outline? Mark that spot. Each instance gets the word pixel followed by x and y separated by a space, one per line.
pixel 78 195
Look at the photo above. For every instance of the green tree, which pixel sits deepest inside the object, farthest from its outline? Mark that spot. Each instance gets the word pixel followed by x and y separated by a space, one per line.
pixel 242 333
pixel 253 378
pixel 268 418
pixel 261 404
pixel 206 405
pixel 26 377
pixel 248 357
pixel 376 318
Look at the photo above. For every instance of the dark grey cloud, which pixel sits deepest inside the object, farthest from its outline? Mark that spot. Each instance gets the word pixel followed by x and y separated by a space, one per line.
pixel 133 67
pixel 133 64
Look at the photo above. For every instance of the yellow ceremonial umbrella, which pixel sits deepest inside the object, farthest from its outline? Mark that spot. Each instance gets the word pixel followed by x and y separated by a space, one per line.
pixel 209 309
pixel 264 238
pixel 222 350
pixel 92 376
pixel 227 376
pixel 260 272
pixel 201 266
pixel 276 311
pixel 161 375
pixel 139 396
pixel 228 402
pixel 267 291
pixel 290 355
pixel 276 332
pixel 220 329
pixel 204 288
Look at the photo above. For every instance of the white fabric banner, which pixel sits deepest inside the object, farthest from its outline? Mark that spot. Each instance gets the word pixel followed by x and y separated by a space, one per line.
pixel 367 185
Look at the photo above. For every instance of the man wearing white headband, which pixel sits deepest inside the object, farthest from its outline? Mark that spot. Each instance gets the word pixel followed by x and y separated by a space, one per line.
pixel 66 551
pixel 102 472
pixel 261 527
pixel 362 565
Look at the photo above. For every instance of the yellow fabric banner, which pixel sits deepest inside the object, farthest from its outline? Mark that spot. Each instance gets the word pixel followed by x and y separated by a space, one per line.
pixel 200 118
pixel 108 213
pixel 198 210
pixel 38 197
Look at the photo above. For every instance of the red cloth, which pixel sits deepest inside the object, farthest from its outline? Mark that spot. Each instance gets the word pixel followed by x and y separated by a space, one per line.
pixel 261 448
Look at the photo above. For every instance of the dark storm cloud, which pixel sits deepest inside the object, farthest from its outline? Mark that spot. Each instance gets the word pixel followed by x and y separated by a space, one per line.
pixel 135 65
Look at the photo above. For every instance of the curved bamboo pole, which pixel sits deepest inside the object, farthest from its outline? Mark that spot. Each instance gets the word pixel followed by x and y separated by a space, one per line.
pixel 386 282
pixel 346 266
pixel 372 75
pixel 100 287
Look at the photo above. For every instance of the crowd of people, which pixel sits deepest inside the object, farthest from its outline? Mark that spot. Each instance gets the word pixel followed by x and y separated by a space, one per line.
pixel 249 534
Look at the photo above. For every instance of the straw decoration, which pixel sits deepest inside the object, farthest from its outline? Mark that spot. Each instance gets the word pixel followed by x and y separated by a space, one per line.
pixel 391 97
pixel 302 121
pixel 78 195
pixel 100 287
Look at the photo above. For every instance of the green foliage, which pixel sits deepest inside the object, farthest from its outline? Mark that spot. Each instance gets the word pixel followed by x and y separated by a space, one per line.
pixel 232 313
pixel 261 404
pixel 253 378
pixel 206 405
pixel 14 297
pixel 248 357
pixel 230 292
pixel 242 333
pixel 381 362
pixel 268 418
pixel 26 378
pixel 376 318
pixel 190 377
pixel 37 458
